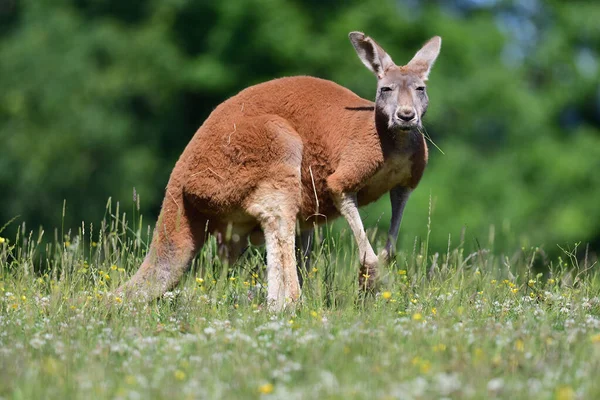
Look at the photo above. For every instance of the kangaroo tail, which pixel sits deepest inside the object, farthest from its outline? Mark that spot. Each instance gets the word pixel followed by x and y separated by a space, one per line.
pixel 178 236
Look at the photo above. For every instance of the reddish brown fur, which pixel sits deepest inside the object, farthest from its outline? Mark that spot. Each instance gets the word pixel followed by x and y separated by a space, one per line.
pixel 303 138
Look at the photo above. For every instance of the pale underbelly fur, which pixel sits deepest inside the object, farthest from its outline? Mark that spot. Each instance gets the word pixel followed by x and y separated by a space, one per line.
pixel 395 171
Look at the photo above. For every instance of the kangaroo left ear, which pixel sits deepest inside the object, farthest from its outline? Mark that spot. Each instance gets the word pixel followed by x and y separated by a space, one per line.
pixel 424 59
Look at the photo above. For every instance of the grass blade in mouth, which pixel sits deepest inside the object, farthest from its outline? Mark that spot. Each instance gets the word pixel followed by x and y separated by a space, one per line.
pixel 426 135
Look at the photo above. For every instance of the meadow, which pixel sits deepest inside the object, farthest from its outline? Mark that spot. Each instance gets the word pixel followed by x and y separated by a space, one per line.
pixel 452 324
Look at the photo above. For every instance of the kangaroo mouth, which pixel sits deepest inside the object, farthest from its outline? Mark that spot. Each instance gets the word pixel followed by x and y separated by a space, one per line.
pixel 405 126
pixel 401 125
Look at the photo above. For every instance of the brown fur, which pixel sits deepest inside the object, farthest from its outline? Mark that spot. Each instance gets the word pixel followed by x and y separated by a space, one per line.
pixel 278 151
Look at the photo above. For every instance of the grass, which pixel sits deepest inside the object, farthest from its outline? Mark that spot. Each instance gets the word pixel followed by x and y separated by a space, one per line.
pixel 452 325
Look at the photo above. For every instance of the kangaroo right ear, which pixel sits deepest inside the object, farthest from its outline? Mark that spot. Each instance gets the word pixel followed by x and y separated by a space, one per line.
pixel 424 59
pixel 371 54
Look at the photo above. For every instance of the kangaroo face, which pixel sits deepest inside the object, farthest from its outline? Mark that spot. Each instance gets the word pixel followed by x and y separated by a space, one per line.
pixel 401 98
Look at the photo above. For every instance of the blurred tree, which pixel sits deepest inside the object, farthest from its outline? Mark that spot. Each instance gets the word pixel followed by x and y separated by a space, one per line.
pixel 100 96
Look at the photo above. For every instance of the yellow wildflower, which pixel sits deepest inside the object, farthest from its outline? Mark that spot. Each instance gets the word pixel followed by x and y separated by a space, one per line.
pixel 434 310
pixel 595 338
pixel 439 347
pixel 496 360
pixel 113 267
pixel 402 272
pixel 314 314
pixel 564 393
pixel 425 366
pixel 515 290
pixel 417 317
pixel 179 375
pixel 386 295
pixel 551 281
pixel 118 299
pixel 493 281
pixel 519 345
pixel 478 355
pixel 266 388
pixel 531 283
pixel 2 240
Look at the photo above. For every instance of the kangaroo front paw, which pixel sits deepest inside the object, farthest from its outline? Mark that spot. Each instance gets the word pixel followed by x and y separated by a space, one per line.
pixel 368 275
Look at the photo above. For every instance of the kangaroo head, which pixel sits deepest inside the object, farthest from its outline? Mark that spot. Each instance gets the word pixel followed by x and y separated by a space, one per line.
pixel 401 92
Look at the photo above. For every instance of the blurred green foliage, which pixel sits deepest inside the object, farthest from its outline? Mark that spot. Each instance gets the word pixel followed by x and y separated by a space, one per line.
pixel 98 97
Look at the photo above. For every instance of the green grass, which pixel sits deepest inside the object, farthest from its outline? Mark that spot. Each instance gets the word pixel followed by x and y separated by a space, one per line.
pixel 451 325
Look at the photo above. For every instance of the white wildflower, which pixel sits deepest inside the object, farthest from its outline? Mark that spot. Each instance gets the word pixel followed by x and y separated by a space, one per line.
pixel 495 385
pixel 169 295
pixel 36 342
pixel 447 383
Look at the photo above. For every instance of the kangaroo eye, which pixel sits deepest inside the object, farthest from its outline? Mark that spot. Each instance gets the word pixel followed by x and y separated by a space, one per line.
pixel 421 88
pixel 385 89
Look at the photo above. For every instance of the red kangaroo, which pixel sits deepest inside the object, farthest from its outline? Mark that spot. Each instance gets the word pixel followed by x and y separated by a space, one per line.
pixel 285 151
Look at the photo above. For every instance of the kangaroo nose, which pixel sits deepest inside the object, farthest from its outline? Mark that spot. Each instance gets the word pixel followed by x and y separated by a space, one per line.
pixel 406 114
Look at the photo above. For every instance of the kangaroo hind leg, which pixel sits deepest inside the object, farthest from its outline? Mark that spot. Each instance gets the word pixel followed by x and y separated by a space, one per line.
pixel 275 204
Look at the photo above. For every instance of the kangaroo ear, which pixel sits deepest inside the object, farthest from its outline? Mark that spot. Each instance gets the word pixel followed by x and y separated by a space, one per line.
pixel 424 59
pixel 371 54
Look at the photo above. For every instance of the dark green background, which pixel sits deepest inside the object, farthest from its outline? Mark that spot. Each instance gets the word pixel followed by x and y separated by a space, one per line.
pixel 98 97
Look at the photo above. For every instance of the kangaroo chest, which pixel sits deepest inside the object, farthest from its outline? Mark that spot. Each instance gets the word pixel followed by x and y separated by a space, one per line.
pixel 396 170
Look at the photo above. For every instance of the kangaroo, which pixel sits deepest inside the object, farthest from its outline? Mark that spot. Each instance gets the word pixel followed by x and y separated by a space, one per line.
pixel 291 149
